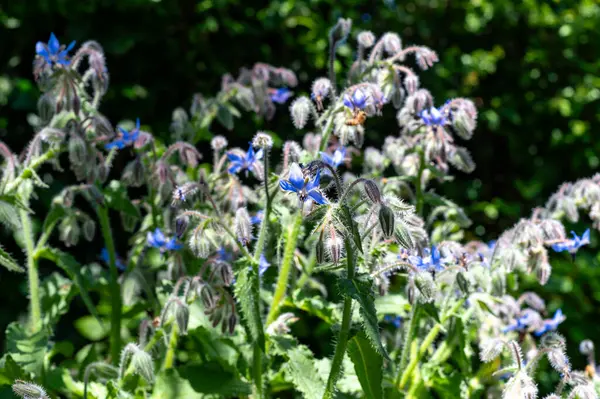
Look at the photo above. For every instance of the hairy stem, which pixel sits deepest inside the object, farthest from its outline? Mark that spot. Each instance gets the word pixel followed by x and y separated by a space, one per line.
pixel 115 291
pixel 170 355
pixel 419 184
pixel 286 267
pixel 257 370
pixel 28 171
pixel 342 341
pixel 408 338
pixel 35 317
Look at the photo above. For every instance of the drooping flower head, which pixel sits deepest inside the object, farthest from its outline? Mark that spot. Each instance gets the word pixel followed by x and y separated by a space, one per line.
pixel 126 138
pixel 357 101
pixel 158 240
pixel 53 52
pixel 303 186
pixel 573 245
pixel 336 159
pixel 244 161
pixel 281 95
pixel 433 117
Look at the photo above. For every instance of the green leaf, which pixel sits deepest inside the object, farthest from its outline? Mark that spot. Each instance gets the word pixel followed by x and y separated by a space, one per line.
pixel 73 269
pixel 9 211
pixel 207 380
pixel 431 310
pixel 392 304
pixel 56 213
pixel 225 117
pixel 7 261
pixel 11 371
pixel 368 365
pixel 117 198
pixel 313 305
pixel 90 328
pixel 56 294
pixel 300 367
pixel 361 290
pixel 247 288
pixel 27 349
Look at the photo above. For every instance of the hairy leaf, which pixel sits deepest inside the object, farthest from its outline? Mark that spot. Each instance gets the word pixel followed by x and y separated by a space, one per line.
pixel 9 207
pixel 56 294
pixel 207 380
pixel 368 365
pixel 246 292
pixel 361 290
pixel 117 198
pixel 7 261
pixel 27 349
pixel 300 367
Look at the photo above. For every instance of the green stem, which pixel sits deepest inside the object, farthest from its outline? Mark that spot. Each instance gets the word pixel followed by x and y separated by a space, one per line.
pixel 257 370
pixel 342 341
pixel 419 184
pixel 28 171
pixel 35 319
pixel 408 338
pixel 326 133
pixel 115 291
pixel 286 267
pixel 170 355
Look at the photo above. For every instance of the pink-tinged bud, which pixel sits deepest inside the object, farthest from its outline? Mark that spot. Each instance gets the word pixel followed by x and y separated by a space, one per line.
pixel 320 248
pixel 262 140
pixel 386 220
pixel 366 39
pixel 300 111
pixel 243 226
pixel 426 58
pixel 411 83
pixel 335 247
pixel 392 43
pixel 218 143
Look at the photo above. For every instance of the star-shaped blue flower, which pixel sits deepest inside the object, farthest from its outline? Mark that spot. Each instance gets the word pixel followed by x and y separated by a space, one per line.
pixel 433 117
pixel 106 259
pixel 263 265
pixel 304 187
pixel 358 100
pixel 573 245
pixel 127 138
pixel 395 320
pixel 158 240
pixel 51 51
pixel 257 219
pixel 431 260
pixel 336 159
pixel 244 162
pixel 551 324
pixel 281 95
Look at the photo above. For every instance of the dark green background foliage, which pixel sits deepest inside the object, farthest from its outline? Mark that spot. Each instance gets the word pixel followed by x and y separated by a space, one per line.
pixel 531 66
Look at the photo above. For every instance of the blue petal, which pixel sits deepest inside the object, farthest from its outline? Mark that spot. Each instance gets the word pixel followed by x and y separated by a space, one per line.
pixel 327 159
pixel 234 168
pixel 53 44
pixel 585 237
pixel 41 49
pixel 259 154
pixel 296 176
pixel 287 186
pixel 173 245
pixel 317 197
pixel 560 247
pixel 348 101
pixel 137 121
pixel 234 157
pixel 311 185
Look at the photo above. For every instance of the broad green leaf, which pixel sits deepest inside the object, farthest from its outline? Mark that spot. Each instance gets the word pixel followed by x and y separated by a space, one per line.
pixel 56 294
pixel 27 349
pixel 90 328
pixel 56 213
pixel 213 346
pixel 11 371
pixel 313 305
pixel 247 289
pixel 9 211
pixel 431 310
pixel 300 367
pixel 361 290
pixel 392 304
pixel 225 117
pixel 8 262
pixel 368 365
pixel 117 198
pixel 73 269
pixel 201 381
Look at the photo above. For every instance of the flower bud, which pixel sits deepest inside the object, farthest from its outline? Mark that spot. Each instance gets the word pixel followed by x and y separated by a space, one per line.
pixel 300 111
pixel 141 361
pixel 89 229
pixel 128 222
pixel 339 33
pixel 463 123
pixel 334 248
pixel 426 286
pixel 463 283
pixel 391 43
pixel 386 220
pixel 199 244
pixel 69 231
pixel 243 226
pixel 372 191
pixel 491 350
pixel 181 225
pixel 245 97
pixel 543 273
pixel 586 347
pixel 411 291
pixel 366 39
pixel 134 173
pixel 559 361
pixel 46 108
pixel 320 248
pixel 411 83
pixel 231 323
pixel 28 390
pixel 218 143
pixel 77 150
pixel 262 140
pixel 461 159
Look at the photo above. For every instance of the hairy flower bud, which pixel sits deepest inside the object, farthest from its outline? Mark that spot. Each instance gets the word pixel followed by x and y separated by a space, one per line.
pixel 334 248
pixel 372 191
pixel 392 43
pixel 320 248
pixel 386 220
pixel 491 350
pixel 426 286
pixel 339 33
pixel 199 244
pixel 231 323
pixel 141 361
pixel 181 225
pixel 586 347
pixel 89 229
pixel 300 111
pixel 243 226
pixel 366 39
pixel 28 390
pixel 46 108
pixel 218 143
pixel 543 273
pixel 134 173
pixel 69 231
pixel 262 140
pixel 411 83
pixel 77 150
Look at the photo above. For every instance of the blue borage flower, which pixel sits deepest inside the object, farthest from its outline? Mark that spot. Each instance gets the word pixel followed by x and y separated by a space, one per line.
pixel 336 159
pixel 551 324
pixel 394 320
pixel 51 51
pixel 263 265
pixel 529 319
pixel 356 101
pixel 573 245
pixel 127 138
pixel 106 259
pixel 158 240
pixel 281 95
pixel 431 260
pixel 257 219
pixel 243 162
pixel 433 116
pixel 304 187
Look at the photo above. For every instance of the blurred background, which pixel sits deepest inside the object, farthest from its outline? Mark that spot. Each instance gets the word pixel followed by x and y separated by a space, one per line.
pixel 532 68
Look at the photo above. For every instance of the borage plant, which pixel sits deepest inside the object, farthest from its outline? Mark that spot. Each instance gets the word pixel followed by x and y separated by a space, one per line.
pixel 223 258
